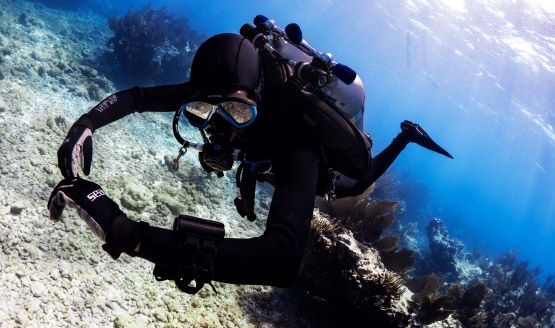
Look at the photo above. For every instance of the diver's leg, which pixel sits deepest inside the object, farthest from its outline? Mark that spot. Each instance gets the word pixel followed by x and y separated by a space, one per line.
pixel 345 186
pixel 383 160
pixel 410 132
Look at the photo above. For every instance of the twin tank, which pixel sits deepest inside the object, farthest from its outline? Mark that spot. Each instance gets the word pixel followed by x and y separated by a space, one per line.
pixel 338 85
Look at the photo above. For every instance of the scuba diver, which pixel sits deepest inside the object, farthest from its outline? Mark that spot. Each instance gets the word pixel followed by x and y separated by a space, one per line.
pixel 251 103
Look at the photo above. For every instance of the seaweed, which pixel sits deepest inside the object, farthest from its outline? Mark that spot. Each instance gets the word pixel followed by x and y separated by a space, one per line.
pixel 473 295
pixel 423 286
pixel 398 260
pixel 386 244
pixel 436 305
pixel 433 310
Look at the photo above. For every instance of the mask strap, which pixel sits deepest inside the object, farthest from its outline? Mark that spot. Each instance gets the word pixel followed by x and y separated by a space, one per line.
pixel 204 137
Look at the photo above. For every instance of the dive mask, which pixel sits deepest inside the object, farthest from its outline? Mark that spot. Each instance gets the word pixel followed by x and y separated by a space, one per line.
pixel 238 113
pixel 216 153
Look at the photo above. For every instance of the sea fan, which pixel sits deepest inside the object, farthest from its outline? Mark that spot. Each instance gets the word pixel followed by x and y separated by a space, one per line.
pixel 152 45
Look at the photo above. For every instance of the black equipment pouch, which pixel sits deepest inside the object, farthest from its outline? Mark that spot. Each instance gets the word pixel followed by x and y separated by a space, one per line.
pixel 200 239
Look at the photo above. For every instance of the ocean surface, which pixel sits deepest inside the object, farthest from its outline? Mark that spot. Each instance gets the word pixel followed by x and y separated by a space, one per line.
pixel 477 75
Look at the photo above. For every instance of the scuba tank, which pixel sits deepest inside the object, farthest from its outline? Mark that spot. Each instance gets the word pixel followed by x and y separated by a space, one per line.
pixel 335 83
pixel 333 92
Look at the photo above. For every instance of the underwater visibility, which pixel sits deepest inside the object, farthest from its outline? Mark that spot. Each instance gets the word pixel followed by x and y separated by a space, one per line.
pixel 277 164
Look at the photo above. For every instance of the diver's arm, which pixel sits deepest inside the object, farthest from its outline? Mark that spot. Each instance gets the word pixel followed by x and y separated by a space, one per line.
pixel 78 142
pixel 165 98
pixel 274 258
pixel 271 259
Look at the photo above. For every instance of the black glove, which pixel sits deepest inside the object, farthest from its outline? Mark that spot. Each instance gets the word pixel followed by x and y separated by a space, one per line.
pixel 90 201
pixel 102 215
pixel 76 146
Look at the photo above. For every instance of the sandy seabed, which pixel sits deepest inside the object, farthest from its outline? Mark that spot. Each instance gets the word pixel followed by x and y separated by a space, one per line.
pixel 55 274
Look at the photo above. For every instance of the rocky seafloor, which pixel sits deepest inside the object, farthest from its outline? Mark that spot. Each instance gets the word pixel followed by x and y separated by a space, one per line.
pixel 55 274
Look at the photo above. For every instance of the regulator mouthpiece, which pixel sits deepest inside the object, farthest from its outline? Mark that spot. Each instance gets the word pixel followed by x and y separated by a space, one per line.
pixel 217 157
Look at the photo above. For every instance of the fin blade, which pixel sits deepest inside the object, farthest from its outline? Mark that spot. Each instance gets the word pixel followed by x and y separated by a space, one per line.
pixel 433 146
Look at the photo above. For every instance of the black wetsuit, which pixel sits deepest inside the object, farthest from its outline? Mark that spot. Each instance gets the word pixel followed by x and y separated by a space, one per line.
pixel 278 134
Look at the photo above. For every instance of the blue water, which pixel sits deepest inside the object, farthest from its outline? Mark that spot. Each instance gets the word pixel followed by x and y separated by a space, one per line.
pixel 479 76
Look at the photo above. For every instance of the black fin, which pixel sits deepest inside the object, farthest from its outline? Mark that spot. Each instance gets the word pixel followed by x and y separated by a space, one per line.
pixel 422 138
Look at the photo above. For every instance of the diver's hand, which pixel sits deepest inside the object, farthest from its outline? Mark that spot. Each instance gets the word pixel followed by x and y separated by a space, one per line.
pixel 77 146
pixel 90 201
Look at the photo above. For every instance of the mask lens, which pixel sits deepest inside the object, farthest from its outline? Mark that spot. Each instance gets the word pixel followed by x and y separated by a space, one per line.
pixel 238 111
pixel 198 112
pixel 199 109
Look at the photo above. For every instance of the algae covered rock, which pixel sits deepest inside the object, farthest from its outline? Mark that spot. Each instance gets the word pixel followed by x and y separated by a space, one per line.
pixel 170 202
pixel 136 197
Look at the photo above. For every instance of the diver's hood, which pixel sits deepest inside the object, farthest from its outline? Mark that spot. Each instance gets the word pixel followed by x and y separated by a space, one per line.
pixel 224 64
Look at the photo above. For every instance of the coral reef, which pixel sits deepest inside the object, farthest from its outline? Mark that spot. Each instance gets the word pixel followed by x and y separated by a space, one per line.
pixel 517 299
pixel 446 256
pixel 444 249
pixel 57 274
pixel 514 296
pixel 350 277
pixel 151 45
pixel 350 266
pixel 436 305
pixel 367 220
